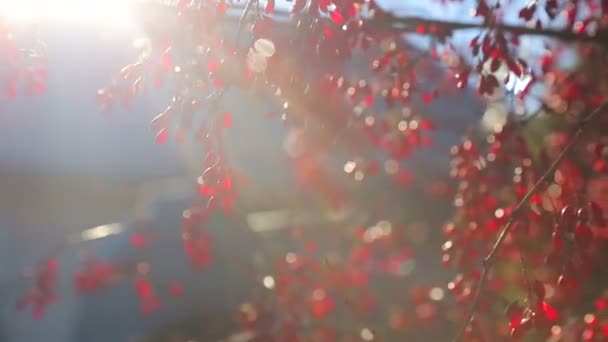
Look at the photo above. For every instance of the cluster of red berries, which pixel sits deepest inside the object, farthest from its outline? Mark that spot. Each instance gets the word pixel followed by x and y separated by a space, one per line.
pixel 196 241
pixel 94 275
pixel 145 291
pixel 539 314
pixel 44 291
pixel 25 68
pixel 571 239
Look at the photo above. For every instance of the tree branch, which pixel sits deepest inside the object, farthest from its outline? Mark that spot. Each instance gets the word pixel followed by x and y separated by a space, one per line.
pixel 411 23
pixel 489 260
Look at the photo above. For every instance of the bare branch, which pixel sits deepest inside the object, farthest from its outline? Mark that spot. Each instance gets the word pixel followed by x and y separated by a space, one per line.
pixel 489 260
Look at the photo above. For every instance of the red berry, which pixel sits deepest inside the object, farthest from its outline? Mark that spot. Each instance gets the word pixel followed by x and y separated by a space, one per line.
pixel 549 311
pixel 567 281
pixel 567 215
pixel 557 240
pixel 521 329
pixel 144 288
pixel 598 214
pixel 554 260
pixel 582 215
pixel 176 289
pixel 583 236
pixel 138 240
pixel 221 7
pixel 269 8
pixel 162 136
pixel 227 120
pixel 336 17
pixel 515 313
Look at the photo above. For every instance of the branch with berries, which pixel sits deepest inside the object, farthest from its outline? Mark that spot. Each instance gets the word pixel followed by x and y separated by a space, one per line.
pixel 489 260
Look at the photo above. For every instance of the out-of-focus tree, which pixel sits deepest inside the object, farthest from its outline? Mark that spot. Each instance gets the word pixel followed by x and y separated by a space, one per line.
pixel 528 236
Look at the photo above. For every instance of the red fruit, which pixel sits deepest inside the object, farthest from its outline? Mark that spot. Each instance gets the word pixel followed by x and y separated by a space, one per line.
pixel 162 136
pixel 336 17
pixel 52 264
pixel 427 98
pixel 495 64
pixel 38 312
pixel 567 215
pixel 205 190
pixel 227 120
pixel 166 61
pixel 144 288
pixel 583 236
pixel 200 260
pixel 482 9
pixel 221 7
pixel 582 215
pixel 11 93
pixel 588 335
pixel 557 240
pixel 269 6
pixel 150 305
pixel 515 313
pixel 597 213
pixel 549 311
pixel 83 283
pixel 567 281
pixel 554 260
pixel 527 12
pixel 601 304
pixel 426 124
pixel 176 289
pixel 520 330
pixel 161 120
pixel 139 240
pixel 321 307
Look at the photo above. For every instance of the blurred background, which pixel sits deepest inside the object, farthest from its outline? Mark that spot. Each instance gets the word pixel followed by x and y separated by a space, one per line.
pixel 67 168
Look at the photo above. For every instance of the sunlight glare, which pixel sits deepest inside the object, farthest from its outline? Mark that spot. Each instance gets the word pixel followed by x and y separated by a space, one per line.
pixel 113 13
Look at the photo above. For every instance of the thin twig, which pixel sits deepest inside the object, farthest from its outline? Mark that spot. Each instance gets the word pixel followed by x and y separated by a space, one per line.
pixel 488 261
pixel 411 24
pixel 242 20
